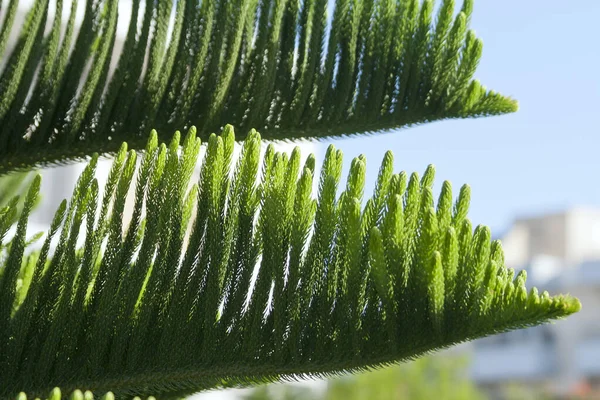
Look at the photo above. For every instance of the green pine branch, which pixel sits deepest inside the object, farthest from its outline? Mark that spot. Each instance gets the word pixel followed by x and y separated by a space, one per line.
pixel 273 65
pixel 245 277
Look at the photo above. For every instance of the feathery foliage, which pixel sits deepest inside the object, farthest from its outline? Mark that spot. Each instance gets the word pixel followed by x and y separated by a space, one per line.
pixel 244 277
pixel 273 65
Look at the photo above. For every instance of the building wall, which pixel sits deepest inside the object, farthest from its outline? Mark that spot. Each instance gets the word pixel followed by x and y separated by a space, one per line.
pixel 583 239
pixel 572 236
pixel 530 237
pixel 561 253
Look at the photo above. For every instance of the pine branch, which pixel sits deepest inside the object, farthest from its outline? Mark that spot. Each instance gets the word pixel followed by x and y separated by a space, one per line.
pixel 166 305
pixel 387 64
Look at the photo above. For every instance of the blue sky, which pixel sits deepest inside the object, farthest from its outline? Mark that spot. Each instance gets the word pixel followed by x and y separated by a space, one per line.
pixel 544 158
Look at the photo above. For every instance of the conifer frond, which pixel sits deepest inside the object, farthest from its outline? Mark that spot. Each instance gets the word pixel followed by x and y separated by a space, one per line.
pixel 274 65
pixel 245 277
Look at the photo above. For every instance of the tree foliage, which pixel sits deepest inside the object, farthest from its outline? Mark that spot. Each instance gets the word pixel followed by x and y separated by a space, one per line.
pixel 273 65
pixel 245 277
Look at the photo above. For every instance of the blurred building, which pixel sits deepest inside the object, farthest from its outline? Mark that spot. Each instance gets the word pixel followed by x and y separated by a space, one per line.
pixel 561 253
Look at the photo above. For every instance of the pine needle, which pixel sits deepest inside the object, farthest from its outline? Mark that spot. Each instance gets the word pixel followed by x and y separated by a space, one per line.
pixel 386 64
pixel 166 305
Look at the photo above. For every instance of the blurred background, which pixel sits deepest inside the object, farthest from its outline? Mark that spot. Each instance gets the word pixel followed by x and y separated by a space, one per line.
pixel 534 178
